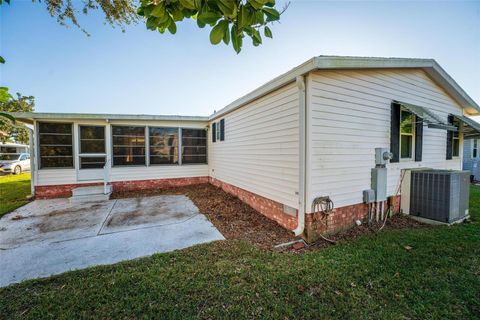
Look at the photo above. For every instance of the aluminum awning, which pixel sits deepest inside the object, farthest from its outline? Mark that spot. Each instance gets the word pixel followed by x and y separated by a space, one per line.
pixel 470 128
pixel 431 119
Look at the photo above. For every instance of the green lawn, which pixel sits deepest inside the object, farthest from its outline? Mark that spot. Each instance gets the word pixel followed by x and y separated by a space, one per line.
pixel 371 277
pixel 14 190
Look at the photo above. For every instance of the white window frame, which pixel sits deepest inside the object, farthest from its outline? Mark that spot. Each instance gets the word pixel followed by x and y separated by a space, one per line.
pixel 473 147
pixel 459 138
pixel 81 154
pixel 412 156
pixel 217 131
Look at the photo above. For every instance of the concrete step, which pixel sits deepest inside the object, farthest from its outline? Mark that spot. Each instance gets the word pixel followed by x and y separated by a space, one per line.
pixel 91 190
pixel 90 198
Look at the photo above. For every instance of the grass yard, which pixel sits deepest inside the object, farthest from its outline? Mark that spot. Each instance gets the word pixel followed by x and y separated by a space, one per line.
pixel 14 190
pixel 431 273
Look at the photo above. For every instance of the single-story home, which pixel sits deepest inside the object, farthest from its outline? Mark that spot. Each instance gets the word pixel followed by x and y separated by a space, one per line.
pixel 471 156
pixel 309 134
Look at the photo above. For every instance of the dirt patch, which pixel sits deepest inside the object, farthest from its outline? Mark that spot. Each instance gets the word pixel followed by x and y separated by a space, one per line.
pixel 236 220
pixel 78 218
pixel 144 213
pixel 233 218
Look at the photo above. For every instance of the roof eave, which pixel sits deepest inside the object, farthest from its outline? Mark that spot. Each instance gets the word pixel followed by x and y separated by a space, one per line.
pixel 29 117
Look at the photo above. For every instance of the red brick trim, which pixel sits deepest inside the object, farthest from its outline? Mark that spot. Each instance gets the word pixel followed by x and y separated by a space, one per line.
pixel 269 208
pixel 59 191
pixel 65 190
pixel 339 219
pixel 137 185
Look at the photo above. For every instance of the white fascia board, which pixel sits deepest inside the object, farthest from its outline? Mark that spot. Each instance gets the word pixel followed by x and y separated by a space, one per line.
pixel 29 116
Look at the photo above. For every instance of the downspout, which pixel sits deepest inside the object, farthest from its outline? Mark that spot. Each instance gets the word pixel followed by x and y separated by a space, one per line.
pixel 300 80
pixel 33 171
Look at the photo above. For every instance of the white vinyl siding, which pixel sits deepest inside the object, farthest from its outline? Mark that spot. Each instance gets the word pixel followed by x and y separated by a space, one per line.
pixel 260 151
pixel 350 117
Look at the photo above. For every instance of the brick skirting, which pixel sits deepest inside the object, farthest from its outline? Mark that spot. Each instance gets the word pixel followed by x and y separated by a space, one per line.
pixel 339 219
pixel 269 208
pixel 65 190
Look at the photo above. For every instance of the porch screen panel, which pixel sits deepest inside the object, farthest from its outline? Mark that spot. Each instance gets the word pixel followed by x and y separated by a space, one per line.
pixel 163 145
pixel 128 145
pixel 92 139
pixel 55 145
pixel 194 146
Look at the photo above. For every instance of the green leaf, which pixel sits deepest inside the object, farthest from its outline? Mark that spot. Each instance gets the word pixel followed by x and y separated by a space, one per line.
pixel 256 4
pixel 272 14
pixel 226 36
pixel 267 32
pixel 270 3
pixel 218 32
pixel 189 4
pixel 159 11
pixel 4 94
pixel 172 28
pixel 152 23
pixel 259 17
pixel 177 14
pixel 228 8
pixel 201 24
pixel 236 39
pixel 2 60
pixel 209 17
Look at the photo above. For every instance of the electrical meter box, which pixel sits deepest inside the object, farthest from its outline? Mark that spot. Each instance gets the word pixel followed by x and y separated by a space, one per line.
pixel 382 156
pixel 379 183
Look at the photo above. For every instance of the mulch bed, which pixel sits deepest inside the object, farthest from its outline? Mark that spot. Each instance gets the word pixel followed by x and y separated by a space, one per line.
pixel 232 217
pixel 236 220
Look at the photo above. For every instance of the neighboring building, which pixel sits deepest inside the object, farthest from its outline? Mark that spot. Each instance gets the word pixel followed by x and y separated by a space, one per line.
pixel 471 157
pixel 13 148
pixel 309 133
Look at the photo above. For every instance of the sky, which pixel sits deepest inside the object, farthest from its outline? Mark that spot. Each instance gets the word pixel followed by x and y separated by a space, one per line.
pixel 143 72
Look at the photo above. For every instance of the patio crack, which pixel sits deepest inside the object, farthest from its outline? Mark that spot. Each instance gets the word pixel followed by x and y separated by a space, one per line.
pixel 106 218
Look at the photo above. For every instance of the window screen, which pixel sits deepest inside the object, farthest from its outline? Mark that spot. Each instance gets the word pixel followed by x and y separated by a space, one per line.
pixel 163 145
pixel 128 145
pixel 92 139
pixel 456 139
pixel 406 134
pixel 194 146
pixel 55 141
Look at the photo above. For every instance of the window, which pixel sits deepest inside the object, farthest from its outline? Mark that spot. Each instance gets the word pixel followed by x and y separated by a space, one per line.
pixel 406 134
pixel 222 129
pixel 55 141
pixel 24 157
pixel 194 146
pixel 92 139
pixel 218 131
pixel 8 150
pixel 214 132
pixel 163 145
pixel 456 139
pixel 128 145
pixel 474 148
pixel 92 162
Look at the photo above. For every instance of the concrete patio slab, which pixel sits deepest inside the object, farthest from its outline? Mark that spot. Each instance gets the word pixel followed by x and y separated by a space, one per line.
pixel 52 236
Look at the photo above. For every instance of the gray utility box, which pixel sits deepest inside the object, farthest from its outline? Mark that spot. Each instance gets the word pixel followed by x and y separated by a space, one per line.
pixel 440 195
pixel 379 183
